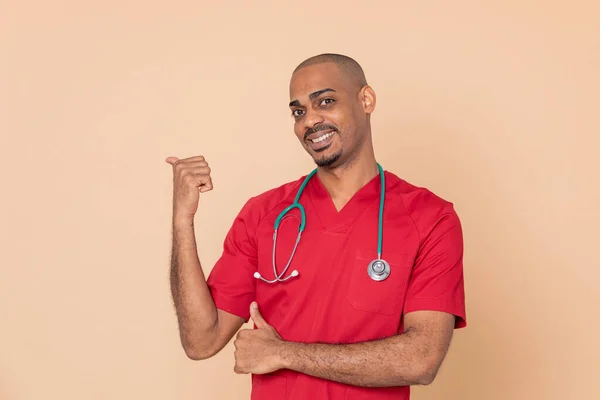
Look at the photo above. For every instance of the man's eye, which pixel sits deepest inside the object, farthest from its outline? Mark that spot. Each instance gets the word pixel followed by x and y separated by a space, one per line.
pixel 297 113
pixel 325 102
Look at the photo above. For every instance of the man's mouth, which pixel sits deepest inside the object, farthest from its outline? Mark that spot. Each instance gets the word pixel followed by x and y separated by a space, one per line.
pixel 322 136
pixel 321 140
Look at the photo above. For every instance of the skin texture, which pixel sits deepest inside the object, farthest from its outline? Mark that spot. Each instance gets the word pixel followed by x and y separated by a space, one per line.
pixel 412 358
pixel 348 163
pixel 323 97
pixel 204 330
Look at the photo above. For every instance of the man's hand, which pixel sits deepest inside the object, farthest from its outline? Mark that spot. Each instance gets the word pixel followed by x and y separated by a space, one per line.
pixel 191 176
pixel 258 351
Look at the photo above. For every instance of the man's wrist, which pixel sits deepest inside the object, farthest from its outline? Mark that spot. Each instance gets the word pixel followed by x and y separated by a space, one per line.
pixel 183 221
pixel 286 353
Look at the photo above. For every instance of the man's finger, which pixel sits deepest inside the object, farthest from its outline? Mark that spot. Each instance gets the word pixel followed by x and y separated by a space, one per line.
pixel 257 317
pixel 172 160
pixel 206 186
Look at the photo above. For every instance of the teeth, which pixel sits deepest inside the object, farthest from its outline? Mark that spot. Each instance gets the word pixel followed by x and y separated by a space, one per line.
pixel 321 138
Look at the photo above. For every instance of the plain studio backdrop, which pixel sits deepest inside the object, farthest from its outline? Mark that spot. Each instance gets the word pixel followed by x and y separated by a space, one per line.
pixel 493 105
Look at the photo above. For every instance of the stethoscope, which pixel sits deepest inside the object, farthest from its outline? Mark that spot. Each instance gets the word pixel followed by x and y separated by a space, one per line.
pixel 377 269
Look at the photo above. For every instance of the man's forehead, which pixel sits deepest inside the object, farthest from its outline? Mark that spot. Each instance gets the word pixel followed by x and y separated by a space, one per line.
pixel 315 77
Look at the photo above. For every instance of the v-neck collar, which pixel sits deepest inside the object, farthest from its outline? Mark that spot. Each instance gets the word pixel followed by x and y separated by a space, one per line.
pixel 336 221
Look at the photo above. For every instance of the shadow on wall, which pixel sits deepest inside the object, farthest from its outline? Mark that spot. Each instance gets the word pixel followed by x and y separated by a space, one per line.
pixel 483 357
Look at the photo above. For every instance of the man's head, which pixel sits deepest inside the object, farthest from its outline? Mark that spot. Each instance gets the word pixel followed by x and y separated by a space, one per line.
pixel 331 104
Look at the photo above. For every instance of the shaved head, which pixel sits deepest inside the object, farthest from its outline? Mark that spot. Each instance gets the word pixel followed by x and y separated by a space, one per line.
pixel 345 64
pixel 331 104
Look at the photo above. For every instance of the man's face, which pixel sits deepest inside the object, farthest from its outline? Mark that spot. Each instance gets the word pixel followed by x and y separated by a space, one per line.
pixel 330 118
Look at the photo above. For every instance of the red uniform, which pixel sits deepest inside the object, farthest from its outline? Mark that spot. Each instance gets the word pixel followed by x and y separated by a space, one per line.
pixel 333 299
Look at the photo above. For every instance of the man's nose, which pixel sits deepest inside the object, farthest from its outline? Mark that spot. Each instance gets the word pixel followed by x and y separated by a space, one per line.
pixel 312 118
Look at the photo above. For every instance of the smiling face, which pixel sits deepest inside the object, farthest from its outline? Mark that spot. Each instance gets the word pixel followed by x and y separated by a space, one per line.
pixel 331 112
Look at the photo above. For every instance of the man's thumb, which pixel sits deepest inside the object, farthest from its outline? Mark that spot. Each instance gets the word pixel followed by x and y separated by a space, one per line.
pixel 257 317
pixel 172 160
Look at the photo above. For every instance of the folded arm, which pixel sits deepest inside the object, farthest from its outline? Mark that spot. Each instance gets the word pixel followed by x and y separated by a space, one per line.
pixel 410 358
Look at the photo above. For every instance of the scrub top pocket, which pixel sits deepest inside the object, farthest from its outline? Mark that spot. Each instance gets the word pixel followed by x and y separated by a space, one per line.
pixel 383 297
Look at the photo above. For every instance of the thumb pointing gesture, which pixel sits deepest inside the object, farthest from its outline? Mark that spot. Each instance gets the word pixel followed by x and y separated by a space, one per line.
pixel 257 317
pixel 258 350
pixel 259 321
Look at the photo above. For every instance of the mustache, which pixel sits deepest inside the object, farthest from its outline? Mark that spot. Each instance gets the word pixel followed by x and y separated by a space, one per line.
pixel 317 128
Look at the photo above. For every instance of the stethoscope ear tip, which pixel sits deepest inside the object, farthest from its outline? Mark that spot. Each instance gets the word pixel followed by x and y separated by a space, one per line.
pixel 294 273
pixel 257 275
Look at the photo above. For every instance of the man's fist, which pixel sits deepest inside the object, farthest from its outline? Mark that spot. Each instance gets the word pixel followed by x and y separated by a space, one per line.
pixel 258 351
pixel 191 176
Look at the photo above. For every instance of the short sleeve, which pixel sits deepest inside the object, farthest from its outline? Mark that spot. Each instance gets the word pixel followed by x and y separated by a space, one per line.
pixel 231 281
pixel 437 281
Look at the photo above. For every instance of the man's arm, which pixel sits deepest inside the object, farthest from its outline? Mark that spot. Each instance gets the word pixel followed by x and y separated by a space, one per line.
pixel 434 307
pixel 410 358
pixel 204 330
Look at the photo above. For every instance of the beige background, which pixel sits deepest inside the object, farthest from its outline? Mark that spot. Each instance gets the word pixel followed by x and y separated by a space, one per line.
pixel 492 105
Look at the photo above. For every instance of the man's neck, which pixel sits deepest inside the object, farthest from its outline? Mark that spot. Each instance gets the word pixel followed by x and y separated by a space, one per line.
pixel 343 182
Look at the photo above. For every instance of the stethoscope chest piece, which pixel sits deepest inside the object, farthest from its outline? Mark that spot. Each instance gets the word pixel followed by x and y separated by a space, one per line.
pixel 378 270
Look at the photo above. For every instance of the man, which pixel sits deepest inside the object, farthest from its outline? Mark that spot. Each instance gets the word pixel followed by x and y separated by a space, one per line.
pixel 329 328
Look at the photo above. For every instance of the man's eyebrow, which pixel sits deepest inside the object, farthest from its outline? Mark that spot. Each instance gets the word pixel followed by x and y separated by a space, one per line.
pixel 312 96
pixel 320 92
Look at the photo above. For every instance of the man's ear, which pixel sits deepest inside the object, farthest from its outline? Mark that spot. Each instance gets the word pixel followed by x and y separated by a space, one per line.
pixel 368 98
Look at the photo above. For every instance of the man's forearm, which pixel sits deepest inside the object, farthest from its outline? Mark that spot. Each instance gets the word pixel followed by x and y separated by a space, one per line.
pixel 196 311
pixel 395 361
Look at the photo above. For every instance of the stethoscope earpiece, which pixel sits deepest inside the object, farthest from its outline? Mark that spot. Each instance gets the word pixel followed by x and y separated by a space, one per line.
pixel 294 273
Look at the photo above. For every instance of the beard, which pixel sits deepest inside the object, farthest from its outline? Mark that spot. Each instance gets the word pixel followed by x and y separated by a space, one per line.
pixel 324 160
pixel 329 160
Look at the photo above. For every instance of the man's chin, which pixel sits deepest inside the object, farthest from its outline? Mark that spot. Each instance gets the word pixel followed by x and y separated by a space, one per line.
pixel 327 161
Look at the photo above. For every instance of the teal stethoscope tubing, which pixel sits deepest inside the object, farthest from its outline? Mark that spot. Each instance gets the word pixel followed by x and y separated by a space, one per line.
pixel 296 204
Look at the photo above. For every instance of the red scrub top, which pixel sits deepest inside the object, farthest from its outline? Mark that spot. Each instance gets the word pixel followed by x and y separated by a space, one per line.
pixel 333 299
